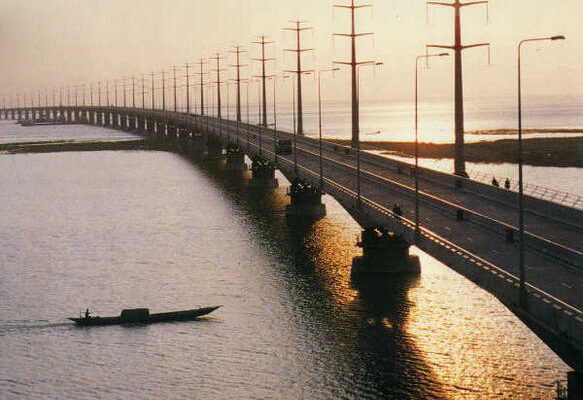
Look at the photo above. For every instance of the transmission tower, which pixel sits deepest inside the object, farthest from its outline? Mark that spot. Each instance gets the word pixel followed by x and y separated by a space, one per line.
pixel 201 63
pixel 354 67
pixel 263 76
pixel 133 91
pixel 299 50
pixel 187 76
pixel 153 74
pixel 143 92
pixel 174 87
pixel 237 51
pixel 164 90
pixel 218 70
pixel 459 158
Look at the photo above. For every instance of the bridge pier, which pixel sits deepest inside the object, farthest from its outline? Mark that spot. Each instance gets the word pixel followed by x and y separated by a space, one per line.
pixel 197 143
pixel 150 129
pixel 306 200
pixel 384 252
pixel 214 149
pixel 574 385
pixel 263 174
pixel 140 125
pixel 235 158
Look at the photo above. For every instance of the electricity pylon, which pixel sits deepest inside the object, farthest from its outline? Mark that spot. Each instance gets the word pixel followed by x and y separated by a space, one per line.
pixel 354 66
pixel 263 76
pixel 459 158
pixel 218 70
pixel 201 63
pixel 237 51
pixel 299 50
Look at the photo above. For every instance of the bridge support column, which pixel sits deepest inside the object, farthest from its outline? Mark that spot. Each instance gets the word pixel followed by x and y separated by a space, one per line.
pixel 151 128
pixel 384 252
pixel 263 174
pixel 575 385
pixel 235 158
pixel 140 126
pixel 197 143
pixel 214 149
pixel 306 200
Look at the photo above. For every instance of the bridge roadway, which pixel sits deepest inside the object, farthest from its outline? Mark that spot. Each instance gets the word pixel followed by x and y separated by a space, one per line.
pixel 553 244
pixel 482 245
pixel 380 180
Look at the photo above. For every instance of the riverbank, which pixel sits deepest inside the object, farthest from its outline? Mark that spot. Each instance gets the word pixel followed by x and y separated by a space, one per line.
pixel 509 131
pixel 65 145
pixel 544 152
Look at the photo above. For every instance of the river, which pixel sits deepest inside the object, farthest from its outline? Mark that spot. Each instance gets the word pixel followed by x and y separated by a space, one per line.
pixel 110 230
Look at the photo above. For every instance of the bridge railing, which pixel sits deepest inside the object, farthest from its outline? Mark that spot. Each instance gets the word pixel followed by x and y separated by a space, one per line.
pixel 538 191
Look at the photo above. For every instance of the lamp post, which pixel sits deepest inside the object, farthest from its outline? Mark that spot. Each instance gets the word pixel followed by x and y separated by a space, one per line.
pixel 425 56
pixel 320 121
pixel 522 273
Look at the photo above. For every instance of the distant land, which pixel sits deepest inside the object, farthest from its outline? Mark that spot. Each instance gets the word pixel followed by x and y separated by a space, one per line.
pixel 547 152
pixel 508 131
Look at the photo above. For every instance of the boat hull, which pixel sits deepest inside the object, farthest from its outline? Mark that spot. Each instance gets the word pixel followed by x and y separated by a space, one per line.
pixel 185 315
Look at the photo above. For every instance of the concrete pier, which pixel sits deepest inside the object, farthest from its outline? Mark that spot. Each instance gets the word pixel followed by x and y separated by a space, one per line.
pixel 384 252
pixel 575 385
pixel 214 148
pixel 235 158
pixel 306 200
pixel 263 174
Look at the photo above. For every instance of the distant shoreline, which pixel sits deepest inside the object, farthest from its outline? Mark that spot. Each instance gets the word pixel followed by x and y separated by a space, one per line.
pixel 512 131
pixel 547 152
pixel 64 145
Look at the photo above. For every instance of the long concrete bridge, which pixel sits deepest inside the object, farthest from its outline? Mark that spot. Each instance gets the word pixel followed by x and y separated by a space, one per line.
pixel 469 226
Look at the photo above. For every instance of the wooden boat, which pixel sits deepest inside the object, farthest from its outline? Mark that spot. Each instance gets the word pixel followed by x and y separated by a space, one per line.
pixel 143 316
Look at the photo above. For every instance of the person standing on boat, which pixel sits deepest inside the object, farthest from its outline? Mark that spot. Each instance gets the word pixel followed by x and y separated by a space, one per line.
pixel 87 314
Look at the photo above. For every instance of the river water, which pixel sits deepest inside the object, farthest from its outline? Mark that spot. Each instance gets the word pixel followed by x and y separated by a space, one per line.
pixel 111 230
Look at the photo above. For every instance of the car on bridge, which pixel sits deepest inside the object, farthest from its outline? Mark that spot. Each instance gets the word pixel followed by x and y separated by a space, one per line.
pixel 283 147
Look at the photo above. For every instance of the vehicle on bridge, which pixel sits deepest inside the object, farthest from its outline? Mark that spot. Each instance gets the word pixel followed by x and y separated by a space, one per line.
pixel 283 147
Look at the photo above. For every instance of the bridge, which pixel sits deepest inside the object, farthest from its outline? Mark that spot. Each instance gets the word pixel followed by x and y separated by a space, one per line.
pixel 467 225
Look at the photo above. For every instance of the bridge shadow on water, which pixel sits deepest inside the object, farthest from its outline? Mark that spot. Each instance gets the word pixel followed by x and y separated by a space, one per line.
pixel 359 326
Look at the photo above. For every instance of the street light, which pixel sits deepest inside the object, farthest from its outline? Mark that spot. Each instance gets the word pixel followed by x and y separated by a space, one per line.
pixel 320 122
pixel 522 276
pixel 425 56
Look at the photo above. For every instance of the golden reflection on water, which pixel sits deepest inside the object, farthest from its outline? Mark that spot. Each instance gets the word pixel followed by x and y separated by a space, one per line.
pixel 452 339
pixel 467 340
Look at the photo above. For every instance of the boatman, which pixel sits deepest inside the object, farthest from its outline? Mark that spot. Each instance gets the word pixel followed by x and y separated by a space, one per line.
pixel 87 314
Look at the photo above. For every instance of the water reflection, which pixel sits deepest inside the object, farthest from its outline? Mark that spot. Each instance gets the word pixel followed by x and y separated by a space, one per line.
pixel 358 328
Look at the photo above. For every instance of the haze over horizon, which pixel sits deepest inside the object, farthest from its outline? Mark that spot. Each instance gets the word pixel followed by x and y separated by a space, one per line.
pixel 60 43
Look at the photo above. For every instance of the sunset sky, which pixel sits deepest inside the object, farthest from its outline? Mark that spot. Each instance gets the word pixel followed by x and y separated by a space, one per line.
pixel 46 44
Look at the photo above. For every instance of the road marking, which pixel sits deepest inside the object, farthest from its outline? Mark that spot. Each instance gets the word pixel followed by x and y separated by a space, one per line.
pixel 569 313
pixel 447 228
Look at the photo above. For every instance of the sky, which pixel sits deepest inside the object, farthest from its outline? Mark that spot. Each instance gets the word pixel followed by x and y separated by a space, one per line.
pixel 48 44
